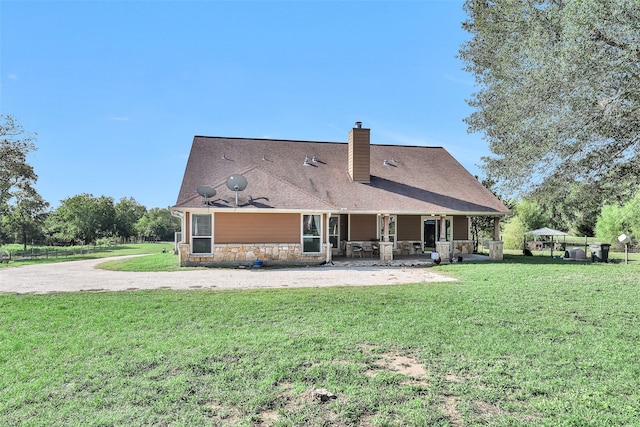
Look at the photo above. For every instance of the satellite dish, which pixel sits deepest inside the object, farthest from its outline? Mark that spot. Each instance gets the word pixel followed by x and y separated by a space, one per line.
pixel 206 192
pixel 236 183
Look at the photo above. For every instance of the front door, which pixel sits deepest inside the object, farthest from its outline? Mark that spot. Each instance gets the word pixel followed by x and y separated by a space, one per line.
pixel 430 234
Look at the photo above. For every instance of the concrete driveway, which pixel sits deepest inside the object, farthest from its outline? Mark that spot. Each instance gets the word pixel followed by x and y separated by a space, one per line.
pixel 76 276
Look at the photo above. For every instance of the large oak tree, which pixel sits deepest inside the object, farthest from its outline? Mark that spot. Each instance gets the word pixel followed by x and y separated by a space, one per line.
pixel 558 95
pixel 21 207
pixel 16 175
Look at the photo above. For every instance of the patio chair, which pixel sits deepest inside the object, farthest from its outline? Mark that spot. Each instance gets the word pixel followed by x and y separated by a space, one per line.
pixel 375 249
pixel 367 248
pixel 356 249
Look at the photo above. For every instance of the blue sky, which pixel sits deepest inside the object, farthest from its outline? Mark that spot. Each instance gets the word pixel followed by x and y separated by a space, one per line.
pixel 117 90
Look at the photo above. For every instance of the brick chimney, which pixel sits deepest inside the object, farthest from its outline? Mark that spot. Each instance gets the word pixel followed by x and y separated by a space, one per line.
pixel 359 154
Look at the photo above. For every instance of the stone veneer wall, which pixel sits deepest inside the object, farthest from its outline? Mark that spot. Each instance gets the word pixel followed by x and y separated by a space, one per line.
pixel 246 254
pixel 462 247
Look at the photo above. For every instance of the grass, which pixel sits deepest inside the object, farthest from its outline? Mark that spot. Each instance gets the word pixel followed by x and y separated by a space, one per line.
pixel 53 254
pixel 154 262
pixel 525 342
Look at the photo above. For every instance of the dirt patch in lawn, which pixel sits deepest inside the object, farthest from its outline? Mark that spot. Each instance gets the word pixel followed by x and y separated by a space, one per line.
pixel 402 364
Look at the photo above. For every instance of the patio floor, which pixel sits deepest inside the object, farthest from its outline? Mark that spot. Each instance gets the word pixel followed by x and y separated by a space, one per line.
pixel 402 260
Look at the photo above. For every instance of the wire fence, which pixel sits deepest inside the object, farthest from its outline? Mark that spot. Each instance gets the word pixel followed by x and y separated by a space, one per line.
pixel 54 252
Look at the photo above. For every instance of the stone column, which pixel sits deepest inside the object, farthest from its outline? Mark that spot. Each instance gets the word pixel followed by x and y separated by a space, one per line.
pixel 496 252
pixel 386 251
pixel 444 249
pixel 183 251
pixel 443 229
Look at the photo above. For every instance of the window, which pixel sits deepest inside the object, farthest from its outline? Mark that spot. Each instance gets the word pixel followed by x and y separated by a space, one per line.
pixel 201 234
pixel 311 233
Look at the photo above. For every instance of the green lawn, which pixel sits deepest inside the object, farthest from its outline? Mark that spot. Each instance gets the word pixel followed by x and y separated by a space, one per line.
pixel 158 261
pixel 529 341
pixel 51 254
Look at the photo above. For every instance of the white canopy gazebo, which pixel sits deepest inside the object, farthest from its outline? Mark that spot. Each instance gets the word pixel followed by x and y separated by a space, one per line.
pixel 547 232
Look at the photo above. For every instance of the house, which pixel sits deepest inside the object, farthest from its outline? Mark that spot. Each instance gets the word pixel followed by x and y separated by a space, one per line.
pixel 303 202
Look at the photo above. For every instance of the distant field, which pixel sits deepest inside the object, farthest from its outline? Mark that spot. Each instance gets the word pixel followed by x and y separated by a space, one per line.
pixel 50 254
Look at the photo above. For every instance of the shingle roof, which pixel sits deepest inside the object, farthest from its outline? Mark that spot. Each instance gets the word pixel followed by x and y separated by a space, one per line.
pixel 414 180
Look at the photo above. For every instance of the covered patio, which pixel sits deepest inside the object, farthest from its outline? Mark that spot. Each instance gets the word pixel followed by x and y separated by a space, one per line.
pixel 400 236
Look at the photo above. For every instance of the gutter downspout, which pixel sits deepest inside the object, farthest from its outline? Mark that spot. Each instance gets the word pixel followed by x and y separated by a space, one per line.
pixel 177 214
pixel 180 215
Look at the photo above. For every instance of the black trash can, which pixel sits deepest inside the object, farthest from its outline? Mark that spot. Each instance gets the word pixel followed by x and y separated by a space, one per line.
pixel 600 252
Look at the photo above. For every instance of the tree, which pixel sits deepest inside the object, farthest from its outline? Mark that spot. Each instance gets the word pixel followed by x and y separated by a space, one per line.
pixel 610 223
pixel 558 95
pixel 482 226
pixel 531 215
pixel 26 217
pixel 513 233
pixel 617 219
pixel 526 215
pixel 127 213
pixel 83 218
pixel 16 175
pixel 572 206
pixel 159 224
